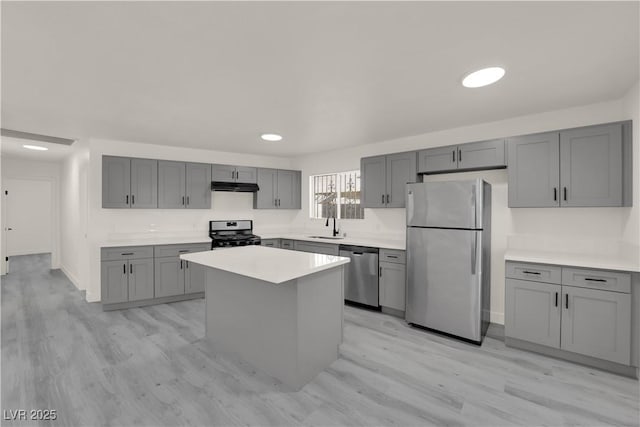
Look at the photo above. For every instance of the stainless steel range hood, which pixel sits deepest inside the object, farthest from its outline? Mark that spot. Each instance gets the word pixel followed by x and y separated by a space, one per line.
pixel 234 186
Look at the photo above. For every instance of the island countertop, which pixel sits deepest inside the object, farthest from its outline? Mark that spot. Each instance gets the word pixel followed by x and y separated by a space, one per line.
pixel 267 264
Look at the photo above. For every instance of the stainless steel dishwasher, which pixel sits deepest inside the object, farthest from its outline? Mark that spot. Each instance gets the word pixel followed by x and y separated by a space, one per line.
pixel 361 275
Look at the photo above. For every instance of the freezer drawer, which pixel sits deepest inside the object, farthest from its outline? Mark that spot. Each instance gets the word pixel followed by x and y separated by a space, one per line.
pixel 444 280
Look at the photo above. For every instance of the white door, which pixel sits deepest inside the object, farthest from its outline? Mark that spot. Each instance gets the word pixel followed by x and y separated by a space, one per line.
pixel 29 216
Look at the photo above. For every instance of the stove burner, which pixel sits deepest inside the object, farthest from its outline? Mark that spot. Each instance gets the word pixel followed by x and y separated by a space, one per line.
pixel 232 233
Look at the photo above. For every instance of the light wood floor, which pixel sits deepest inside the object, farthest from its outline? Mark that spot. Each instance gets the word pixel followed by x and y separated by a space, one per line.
pixel 150 366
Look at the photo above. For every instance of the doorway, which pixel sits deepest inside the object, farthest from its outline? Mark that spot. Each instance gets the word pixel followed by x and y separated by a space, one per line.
pixel 29 216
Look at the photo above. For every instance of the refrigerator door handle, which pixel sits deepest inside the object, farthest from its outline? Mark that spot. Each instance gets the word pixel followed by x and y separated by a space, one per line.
pixel 474 206
pixel 474 245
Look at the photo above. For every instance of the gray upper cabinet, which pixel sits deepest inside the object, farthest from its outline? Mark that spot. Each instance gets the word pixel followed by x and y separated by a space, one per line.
pixel 400 169
pixel 279 189
pixel 184 185
pixel 482 155
pixel 129 182
pixel 532 312
pixel 582 167
pixel 534 171
pixel 171 184
pixel 438 159
pixel 198 186
pixel 116 182
pixel 590 166
pixel 471 156
pixel 383 179
pixel 597 323
pixel 373 182
pixel 144 183
pixel 288 189
pixel 229 173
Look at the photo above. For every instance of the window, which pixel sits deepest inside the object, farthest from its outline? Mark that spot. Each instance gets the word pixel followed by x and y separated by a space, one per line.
pixel 336 194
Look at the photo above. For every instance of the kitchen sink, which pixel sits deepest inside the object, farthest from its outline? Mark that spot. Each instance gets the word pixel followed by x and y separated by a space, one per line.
pixel 327 237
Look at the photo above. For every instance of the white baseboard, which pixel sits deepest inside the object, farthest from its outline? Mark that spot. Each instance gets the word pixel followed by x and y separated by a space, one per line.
pixel 496 317
pixel 91 297
pixel 73 279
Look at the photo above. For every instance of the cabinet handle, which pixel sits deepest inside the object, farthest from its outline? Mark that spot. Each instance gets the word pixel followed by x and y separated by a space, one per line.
pixel 459 156
pixel 183 251
pixel 530 272
pixel 180 264
pixel 127 253
pixel 453 159
pixel 556 299
pixel 388 199
pixel 130 268
pixel 133 199
pixel 182 200
pixel 187 263
pixel 380 271
pixel 124 268
pixel 566 301
pixel 565 194
pixel 383 199
pixel 555 194
pixel 594 280
pixel 127 196
pixel 187 200
pixel 392 256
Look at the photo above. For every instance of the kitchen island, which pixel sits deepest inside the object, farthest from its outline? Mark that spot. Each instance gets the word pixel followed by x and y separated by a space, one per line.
pixel 280 311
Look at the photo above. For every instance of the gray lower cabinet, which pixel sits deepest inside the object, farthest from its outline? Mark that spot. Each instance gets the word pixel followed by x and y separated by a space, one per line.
pixel 384 178
pixel 136 275
pixel 532 311
pixel 316 247
pixel 194 277
pixel 114 281
pixel 169 276
pixel 582 167
pixel 229 173
pixel 129 182
pixel 471 156
pixel 279 189
pixel 392 285
pixel 286 244
pixel 596 323
pixel 270 243
pixel 184 185
pixel 126 279
pixel 589 313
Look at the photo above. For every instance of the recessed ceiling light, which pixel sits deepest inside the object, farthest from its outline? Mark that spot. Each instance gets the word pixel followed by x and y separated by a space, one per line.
pixel 35 147
pixel 483 77
pixel 272 137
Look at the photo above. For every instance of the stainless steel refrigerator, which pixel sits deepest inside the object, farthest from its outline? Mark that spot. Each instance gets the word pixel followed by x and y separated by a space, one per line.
pixel 448 257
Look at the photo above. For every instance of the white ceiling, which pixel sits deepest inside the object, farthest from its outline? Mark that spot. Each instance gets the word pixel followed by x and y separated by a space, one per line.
pixel 323 74
pixel 13 147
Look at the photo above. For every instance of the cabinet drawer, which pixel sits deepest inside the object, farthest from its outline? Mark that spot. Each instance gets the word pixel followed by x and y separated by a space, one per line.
pixel 391 255
pixel 176 250
pixel 534 272
pixel 286 244
pixel 270 243
pixel 597 279
pixel 126 252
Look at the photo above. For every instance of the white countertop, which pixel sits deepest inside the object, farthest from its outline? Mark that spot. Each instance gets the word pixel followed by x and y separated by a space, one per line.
pixel 625 261
pixel 357 241
pixel 155 240
pixel 267 264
